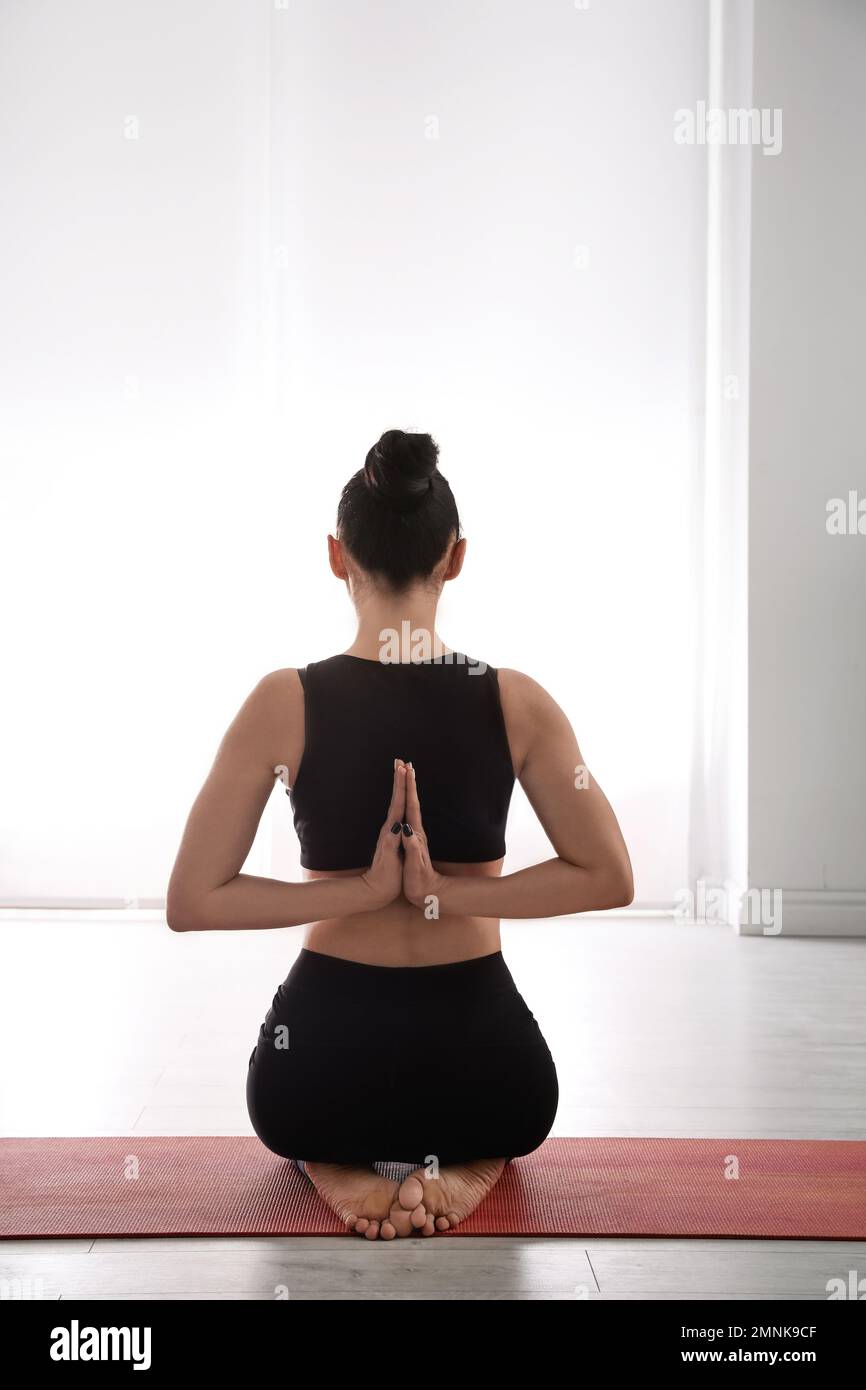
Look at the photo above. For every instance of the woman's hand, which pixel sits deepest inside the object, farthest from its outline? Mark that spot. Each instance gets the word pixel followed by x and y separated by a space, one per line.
pixel 421 882
pixel 384 878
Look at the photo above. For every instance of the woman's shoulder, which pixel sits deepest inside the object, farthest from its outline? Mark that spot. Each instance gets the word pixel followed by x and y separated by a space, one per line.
pixel 271 721
pixel 276 702
pixel 522 693
pixel 277 685
pixel 528 710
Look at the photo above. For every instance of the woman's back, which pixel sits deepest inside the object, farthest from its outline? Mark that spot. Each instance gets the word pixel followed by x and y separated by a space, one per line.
pixel 445 716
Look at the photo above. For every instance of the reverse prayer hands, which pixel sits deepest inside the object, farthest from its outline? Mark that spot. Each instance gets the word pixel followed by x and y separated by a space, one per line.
pixel 410 873
pixel 384 878
pixel 421 882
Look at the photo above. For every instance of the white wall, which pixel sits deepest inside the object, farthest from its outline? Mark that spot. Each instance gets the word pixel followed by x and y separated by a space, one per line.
pixel 208 325
pixel 807 676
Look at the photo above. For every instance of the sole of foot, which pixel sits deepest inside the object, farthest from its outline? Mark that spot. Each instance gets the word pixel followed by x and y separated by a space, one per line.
pixel 368 1203
pixel 441 1203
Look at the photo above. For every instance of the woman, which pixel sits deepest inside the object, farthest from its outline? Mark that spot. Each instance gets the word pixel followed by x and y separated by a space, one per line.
pixel 399 1034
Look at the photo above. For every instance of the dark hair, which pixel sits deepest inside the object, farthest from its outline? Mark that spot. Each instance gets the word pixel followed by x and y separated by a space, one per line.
pixel 397 514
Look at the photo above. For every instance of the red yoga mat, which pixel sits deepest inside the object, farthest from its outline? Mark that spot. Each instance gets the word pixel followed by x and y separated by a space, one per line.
pixel 171 1186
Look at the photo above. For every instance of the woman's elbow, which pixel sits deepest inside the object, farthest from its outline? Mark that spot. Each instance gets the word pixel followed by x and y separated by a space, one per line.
pixel 625 892
pixel 181 914
pixel 175 919
pixel 617 888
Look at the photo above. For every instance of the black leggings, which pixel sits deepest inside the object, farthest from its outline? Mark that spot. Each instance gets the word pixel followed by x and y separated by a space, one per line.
pixel 370 1063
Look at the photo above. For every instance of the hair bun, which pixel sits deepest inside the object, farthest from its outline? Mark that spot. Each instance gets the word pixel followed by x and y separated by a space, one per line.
pixel 400 468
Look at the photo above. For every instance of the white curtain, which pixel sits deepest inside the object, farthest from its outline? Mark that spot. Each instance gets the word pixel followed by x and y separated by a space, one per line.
pixel 240 241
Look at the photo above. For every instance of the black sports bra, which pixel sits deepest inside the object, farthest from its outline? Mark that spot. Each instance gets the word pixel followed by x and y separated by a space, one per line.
pixel 444 716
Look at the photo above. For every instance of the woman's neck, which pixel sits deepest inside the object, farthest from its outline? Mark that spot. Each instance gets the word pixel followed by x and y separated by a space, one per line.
pixel 401 628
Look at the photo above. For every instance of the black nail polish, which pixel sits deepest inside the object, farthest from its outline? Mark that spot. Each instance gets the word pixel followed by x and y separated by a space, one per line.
pixel 395 828
pixel 407 829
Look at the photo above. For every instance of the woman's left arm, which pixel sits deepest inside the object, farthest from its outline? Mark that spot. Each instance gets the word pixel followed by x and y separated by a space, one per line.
pixel 592 870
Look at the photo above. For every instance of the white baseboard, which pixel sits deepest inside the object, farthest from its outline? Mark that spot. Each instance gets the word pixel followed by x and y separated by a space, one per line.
pixel 72 904
pixel 817 912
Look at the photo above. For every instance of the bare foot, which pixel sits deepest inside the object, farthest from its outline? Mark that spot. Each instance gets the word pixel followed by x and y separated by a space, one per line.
pixel 366 1202
pixel 437 1204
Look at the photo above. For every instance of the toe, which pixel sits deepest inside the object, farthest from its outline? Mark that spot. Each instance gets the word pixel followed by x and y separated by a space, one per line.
pixel 372 1231
pixel 454 1218
pixel 428 1229
pixel 419 1216
pixel 359 1224
pixel 410 1194
pixel 388 1232
pixel 401 1220
pixel 442 1223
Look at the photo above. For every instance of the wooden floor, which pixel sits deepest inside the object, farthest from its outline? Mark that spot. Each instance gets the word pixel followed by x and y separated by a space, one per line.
pixel 657 1027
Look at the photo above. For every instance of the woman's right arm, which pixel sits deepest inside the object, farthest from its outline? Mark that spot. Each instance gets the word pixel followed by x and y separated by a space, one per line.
pixel 207 891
